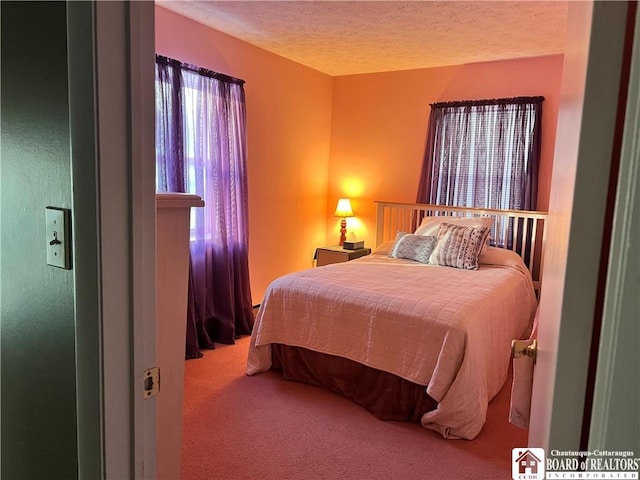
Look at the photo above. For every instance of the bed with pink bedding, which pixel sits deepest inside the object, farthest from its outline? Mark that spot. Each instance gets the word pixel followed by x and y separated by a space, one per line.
pixel 440 335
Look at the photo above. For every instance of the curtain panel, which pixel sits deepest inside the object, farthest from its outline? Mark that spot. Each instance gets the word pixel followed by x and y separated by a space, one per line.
pixel 483 153
pixel 201 149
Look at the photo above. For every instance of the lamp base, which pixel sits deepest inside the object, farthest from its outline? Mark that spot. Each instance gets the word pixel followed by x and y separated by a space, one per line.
pixel 343 231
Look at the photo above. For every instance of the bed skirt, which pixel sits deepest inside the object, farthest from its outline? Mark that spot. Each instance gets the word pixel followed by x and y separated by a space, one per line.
pixel 386 396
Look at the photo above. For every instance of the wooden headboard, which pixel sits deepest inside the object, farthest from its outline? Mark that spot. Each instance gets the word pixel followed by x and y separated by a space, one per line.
pixel 526 228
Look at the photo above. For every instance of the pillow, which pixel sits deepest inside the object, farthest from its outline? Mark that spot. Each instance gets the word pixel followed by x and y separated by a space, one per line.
pixel 459 246
pixel 431 225
pixel 384 249
pixel 500 256
pixel 413 247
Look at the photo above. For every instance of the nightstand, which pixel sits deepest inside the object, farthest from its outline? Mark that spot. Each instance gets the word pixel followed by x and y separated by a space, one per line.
pixel 337 254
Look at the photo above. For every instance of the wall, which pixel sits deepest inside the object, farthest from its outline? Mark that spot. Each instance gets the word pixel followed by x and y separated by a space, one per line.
pixel 380 124
pixel 38 366
pixel 313 138
pixel 289 127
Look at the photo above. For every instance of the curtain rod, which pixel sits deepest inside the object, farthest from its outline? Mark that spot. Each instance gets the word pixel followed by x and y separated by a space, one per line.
pixel 494 101
pixel 200 70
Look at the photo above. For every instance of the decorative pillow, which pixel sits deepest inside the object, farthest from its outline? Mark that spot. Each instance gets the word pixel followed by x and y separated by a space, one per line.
pixel 458 246
pixel 413 247
pixel 431 225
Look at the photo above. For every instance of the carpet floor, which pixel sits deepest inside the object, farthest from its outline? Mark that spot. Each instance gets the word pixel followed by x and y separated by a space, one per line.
pixel 263 427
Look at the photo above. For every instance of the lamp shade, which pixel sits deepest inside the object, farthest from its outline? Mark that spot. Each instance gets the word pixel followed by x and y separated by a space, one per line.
pixel 344 208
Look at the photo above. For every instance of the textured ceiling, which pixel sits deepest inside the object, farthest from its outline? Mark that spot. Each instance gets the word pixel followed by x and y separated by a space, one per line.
pixel 341 38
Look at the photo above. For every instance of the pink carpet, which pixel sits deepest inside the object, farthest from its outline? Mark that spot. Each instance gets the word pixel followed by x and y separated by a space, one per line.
pixel 263 427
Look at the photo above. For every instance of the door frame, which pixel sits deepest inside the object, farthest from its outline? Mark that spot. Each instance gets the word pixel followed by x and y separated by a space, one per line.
pixel 111 99
pixel 585 145
pixel 617 382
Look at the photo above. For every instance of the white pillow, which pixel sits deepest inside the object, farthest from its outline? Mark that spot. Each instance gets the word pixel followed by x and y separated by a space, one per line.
pixel 501 256
pixel 431 225
pixel 384 248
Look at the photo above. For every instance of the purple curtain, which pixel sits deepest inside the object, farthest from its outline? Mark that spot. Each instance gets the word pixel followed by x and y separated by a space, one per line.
pixel 483 153
pixel 201 149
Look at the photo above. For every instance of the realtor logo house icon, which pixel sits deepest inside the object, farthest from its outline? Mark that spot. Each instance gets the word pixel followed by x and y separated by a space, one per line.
pixel 528 464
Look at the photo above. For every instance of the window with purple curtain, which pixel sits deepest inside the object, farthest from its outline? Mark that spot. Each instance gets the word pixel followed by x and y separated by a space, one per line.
pixel 201 149
pixel 485 154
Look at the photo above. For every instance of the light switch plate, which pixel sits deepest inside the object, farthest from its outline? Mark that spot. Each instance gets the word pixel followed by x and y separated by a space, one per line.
pixel 58 237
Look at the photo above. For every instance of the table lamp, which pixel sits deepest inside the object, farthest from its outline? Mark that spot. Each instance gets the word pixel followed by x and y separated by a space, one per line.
pixel 343 210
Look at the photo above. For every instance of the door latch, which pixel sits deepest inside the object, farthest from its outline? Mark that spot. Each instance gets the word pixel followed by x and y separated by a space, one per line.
pixel 151 382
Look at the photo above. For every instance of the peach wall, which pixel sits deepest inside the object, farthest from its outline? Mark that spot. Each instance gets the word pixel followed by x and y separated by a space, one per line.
pixel 288 135
pixel 313 138
pixel 380 122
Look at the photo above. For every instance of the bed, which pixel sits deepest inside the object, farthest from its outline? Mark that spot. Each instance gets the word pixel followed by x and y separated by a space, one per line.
pixel 411 336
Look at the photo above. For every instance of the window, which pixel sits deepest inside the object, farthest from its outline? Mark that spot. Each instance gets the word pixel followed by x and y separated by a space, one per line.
pixel 201 149
pixel 483 154
pixel 189 133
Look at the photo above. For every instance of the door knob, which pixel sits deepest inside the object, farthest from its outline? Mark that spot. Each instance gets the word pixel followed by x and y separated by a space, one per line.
pixel 524 348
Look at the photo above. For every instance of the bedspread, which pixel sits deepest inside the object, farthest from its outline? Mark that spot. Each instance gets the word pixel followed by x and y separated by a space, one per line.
pixel 445 328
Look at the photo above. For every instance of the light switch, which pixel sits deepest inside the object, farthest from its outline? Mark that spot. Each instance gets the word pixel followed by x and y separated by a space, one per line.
pixel 58 237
